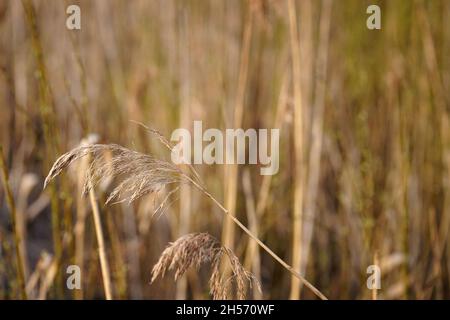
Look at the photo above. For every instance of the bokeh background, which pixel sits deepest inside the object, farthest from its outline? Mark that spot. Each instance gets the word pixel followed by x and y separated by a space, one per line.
pixel 364 147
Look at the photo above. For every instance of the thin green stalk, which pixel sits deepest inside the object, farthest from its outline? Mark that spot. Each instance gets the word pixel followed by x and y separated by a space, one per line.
pixel 17 238
pixel 47 114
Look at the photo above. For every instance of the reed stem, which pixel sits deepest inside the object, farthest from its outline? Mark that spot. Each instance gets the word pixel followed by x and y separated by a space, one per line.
pixel 297 227
pixel 260 243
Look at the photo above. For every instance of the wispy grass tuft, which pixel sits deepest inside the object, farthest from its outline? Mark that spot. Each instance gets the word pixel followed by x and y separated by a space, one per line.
pixel 196 249
pixel 142 174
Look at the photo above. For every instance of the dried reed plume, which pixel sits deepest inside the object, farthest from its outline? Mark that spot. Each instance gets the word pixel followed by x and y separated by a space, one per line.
pixel 196 249
pixel 142 174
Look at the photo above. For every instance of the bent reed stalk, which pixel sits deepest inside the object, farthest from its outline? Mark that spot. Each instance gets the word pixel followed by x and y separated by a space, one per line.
pixel 262 245
pixel 146 175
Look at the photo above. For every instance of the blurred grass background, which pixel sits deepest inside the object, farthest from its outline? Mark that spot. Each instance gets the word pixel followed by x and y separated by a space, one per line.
pixel 375 155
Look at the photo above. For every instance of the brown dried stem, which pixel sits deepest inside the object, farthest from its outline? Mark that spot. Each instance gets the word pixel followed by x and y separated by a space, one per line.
pixel 143 174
